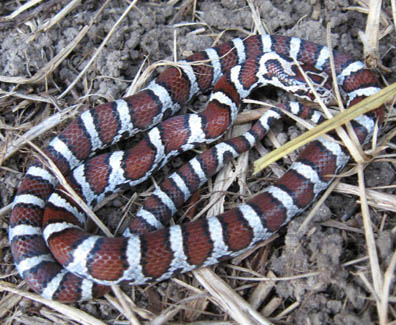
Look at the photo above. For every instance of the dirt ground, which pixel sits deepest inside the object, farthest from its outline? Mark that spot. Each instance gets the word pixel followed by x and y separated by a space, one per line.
pixel 324 270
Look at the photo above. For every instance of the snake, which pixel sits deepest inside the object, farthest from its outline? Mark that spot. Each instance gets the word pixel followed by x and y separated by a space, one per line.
pixel 59 260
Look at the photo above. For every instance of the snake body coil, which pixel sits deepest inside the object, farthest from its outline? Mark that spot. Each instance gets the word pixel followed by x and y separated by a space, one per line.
pixel 79 265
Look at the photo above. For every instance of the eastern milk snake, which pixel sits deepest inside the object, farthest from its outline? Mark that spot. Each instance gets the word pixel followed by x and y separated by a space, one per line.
pixel 150 252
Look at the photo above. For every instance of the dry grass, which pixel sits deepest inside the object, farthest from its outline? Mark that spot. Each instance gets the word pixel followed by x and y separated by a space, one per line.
pixel 204 286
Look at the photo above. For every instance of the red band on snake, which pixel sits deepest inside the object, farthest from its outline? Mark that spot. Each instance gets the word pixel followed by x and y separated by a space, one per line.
pixel 149 252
